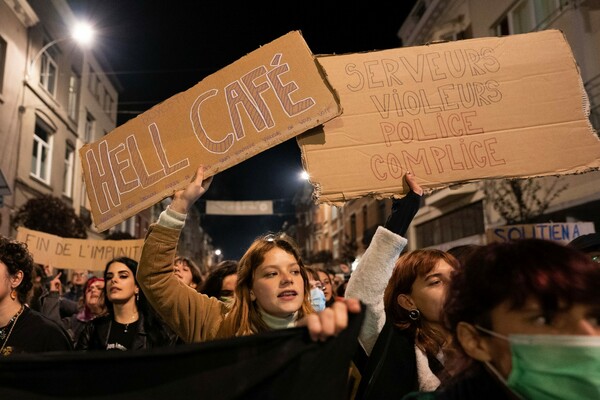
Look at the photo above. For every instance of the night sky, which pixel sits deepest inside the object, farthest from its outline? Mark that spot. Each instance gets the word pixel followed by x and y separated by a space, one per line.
pixel 160 48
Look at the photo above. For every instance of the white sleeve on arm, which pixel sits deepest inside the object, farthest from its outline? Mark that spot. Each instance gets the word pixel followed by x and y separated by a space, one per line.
pixel 369 280
pixel 171 219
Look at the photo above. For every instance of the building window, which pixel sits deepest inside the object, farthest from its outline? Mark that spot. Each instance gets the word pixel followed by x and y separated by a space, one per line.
pixel 49 70
pixel 108 104
pixel 83 197
pixel 74 82
pixel 365 218
pixel 41 153
pixel 527 16
pixel 464 222
pixel 68 170
pixel 94 84
pixel 127 226
pixel 2 62
pixel 353 228
pixel 90 124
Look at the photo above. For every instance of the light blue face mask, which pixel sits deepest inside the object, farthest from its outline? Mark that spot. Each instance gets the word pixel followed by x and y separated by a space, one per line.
pixel 553 367
pixel 317 299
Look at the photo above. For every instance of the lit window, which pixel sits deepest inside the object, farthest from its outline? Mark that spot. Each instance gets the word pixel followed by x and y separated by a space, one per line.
pixel 73 95
pixel 68 171
pixel 41 152
pixel 49 71
pixel 527 16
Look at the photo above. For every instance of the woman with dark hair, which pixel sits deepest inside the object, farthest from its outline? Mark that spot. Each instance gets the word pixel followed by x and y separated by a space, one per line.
pixel 130 323
pixel 221 280
pixel 272 290
pixel 524 316
pixel 23 330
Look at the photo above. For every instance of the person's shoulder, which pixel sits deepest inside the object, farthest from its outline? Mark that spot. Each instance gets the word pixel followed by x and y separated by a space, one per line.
pixel 45 329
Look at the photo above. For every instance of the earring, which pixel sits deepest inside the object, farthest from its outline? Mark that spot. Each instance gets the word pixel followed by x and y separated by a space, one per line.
pixel 414 314
pixel 137 296
pixel 13 294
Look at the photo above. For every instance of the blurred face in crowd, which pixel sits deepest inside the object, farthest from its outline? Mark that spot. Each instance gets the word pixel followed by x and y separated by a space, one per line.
pixel 120 283
pixel 184 273
pixel 80 277
pixel 94 297
pixel 278 286
pixel 327 284
pixel 228 286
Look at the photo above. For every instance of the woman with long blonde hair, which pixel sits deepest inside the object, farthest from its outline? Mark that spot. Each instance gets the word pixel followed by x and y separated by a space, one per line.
pixel 272 290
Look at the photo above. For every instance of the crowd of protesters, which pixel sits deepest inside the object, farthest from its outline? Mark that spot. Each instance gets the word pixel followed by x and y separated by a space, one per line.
pixel 514 320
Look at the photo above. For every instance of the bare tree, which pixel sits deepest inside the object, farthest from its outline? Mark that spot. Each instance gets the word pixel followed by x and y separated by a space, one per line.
pixel 521 201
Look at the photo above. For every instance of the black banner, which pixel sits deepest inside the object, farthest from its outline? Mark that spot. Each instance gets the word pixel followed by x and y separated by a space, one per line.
pixel 283 364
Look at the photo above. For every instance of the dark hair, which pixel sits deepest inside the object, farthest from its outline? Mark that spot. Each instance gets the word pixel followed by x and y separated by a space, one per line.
pixel 463 251
pixel 194 269
pixel 514 271
pixel 408 268
pixel 587 243
pixel 156 329
pixel 132 265
pixel 214 281
pixel 17 258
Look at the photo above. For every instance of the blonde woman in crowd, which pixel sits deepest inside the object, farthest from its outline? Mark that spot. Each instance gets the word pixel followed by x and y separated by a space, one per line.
pixel 272 290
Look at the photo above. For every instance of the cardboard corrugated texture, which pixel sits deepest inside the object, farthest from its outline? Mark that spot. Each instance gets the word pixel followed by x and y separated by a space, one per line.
pixel 259 101
pixel 455 112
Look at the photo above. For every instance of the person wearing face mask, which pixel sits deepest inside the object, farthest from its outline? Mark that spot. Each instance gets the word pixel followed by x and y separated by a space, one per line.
pixel 272 290
pixel 317 294
pixel 525 319
pixel 221 280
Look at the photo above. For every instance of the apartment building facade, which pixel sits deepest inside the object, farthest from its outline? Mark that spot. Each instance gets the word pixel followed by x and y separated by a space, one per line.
pixel 55 96
pixel 462 214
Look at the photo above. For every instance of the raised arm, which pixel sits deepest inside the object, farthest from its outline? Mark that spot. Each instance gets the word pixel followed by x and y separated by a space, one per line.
pixel 193 316
pixel 368 282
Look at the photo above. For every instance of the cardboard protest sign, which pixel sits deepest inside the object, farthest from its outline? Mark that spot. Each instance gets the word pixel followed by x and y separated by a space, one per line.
pixel 562 232
pixel 261 100
pixel 455 112
pixel 68 253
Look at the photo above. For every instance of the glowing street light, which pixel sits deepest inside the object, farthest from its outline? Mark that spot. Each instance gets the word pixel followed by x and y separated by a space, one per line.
pixel 82 33
pixel 218 252
pixel 304 175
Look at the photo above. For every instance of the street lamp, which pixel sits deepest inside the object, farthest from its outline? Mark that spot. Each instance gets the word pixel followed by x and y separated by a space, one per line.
pixel 82 33
pixel 304 176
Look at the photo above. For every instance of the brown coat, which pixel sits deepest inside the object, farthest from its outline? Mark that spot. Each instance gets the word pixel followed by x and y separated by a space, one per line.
pixel 195 317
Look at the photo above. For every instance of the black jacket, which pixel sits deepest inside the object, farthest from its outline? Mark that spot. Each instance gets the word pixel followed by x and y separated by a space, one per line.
pixel 95 335
pixel 391 371
pixel 480 385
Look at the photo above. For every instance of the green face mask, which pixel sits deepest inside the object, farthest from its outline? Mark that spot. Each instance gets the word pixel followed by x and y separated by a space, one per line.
pixel 553 367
